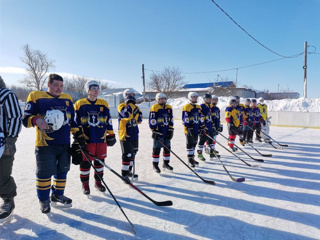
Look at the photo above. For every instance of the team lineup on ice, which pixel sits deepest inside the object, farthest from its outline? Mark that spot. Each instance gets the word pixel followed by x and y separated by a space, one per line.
pixel 194 178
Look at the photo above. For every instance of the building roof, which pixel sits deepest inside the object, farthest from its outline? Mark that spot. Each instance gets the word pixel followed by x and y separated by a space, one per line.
pixel 210 84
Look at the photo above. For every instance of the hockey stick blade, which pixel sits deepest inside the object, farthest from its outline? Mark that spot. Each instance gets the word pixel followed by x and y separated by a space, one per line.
pixel 283 145
pixel 239 179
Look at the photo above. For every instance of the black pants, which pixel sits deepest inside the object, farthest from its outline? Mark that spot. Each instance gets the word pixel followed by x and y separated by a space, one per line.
pixel 257 128
pixel 7 185
pixel 191 144
pixel 129 150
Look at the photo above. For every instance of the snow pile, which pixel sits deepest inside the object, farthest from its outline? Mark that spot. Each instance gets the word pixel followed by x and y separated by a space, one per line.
pixel 285 105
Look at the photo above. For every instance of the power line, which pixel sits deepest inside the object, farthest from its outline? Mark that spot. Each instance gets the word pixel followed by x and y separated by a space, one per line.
pixel 230 69
pixel 261 44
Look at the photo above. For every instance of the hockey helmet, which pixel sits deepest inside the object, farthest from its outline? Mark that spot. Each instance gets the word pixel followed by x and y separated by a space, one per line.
pixel 91 83
pixel 191 95
pixel 159 96
pixel 254 100
pixel 232 100
pixel 260 99
pixel 55 119
pixel 215 97
pixel 207 96
pixel 127 92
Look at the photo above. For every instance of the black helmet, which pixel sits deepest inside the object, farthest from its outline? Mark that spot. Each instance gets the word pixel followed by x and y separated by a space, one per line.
pixel 254 100
pixel 236 97
pixel 232 100
pixel 207 96
pixel 248 100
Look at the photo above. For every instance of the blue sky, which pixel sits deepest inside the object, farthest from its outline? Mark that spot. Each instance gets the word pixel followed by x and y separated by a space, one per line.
pixel 109 40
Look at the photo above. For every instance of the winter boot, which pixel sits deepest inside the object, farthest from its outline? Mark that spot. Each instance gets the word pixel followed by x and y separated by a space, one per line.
pixel 6 209
pixel 156 167
pixel 45 206
pixel 166 166
pixel 86 188
pixel 99 186
pixel 60 201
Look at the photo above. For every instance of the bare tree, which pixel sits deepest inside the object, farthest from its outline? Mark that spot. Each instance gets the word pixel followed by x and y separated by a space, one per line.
pixel 167 81
pixel 38 65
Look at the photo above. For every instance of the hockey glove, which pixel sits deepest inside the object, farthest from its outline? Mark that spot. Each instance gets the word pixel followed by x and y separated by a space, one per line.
pixel 220 128
pixel 190 132
pixel 78 137
pixel 202 130
pixel 245 123
pixel 170 133
pixel 76 155
pixel 9 146
pixel 156 135
pixel 135 111
pixel 111 140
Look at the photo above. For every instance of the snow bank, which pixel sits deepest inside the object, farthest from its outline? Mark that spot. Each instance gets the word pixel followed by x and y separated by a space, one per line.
pixel 285 105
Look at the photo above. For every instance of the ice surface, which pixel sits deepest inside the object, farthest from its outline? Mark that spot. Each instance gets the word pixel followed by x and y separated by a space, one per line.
pixel 280 200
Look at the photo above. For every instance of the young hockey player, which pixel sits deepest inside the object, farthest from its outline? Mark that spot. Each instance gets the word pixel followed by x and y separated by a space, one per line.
pixel 257 119
pixel 10 127
pixel 161 125
pixel 240 107
pixel 217 127
pixel 52 114
pixel 129 118
pixel 233 121
pixel 206 110
pixel 193 122
pixel 94 116
pixel 248 122
pixel 265 121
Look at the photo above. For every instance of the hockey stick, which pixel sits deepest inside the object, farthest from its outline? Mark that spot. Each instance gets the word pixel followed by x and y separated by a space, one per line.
pixel 133 228
pixel 237 156
pixel 232 178
pixel 127 180
pixel 204 180
pixel 256 159
pixel 264 155
pixel 282 145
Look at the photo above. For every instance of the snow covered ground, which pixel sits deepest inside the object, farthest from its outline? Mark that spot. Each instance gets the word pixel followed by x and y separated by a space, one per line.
pixel 284 105
pixel 279 200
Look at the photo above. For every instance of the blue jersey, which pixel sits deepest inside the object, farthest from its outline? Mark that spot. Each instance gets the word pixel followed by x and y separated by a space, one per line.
pixel 161 118
pixel 95 119
pixel 240 107
pixel 192 118
pixel 38 103
pixel 207 115
pixel 256 113
pixel 215 116
pixel 128 123
pixel 249 114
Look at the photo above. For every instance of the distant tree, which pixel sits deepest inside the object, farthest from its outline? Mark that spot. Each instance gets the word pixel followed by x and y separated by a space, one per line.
pixel 38 66
pixel 21 92
pixel 167 81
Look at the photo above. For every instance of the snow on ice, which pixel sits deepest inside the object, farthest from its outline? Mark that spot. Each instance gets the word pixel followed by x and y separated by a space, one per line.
pixel 278 200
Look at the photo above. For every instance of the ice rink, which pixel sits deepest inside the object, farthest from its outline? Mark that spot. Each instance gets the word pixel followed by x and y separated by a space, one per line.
pixel 279 200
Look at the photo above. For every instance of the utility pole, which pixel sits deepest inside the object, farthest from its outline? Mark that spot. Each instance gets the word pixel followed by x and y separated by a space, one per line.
pixel 305 71
pixel 144 84
pixel 237 78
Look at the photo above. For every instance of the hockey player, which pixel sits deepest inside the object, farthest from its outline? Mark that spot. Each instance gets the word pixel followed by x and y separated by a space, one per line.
pixel 265 121
pixel 10 127
pixel 257 119
pixel 232 117
pixel 240 107
pixel 193 122
pixel 52 114
pixel 94 116
pixel 248 122
pixel 129 118
pixel 161 125
pixel 206 110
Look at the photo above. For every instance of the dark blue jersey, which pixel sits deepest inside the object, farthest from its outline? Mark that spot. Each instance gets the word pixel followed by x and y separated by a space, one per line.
pixel 128 123
pixel 240 107
pixel 215 116
pixel 192 118
pixel 95 119
pixel 206 110
pixel 256 113
pixel 249 114
pixel 161 118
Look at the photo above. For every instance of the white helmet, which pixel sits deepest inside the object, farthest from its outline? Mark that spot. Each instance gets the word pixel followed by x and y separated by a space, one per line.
pixel 192 94
pixel 2 142
pixel 91 83
pixel 261 99
pixel 215 97
pixel 160 95
pixel 128 91
pixel 55 119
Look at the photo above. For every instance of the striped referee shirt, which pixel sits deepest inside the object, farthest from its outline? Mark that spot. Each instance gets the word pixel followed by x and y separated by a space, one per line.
pixel 10 113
